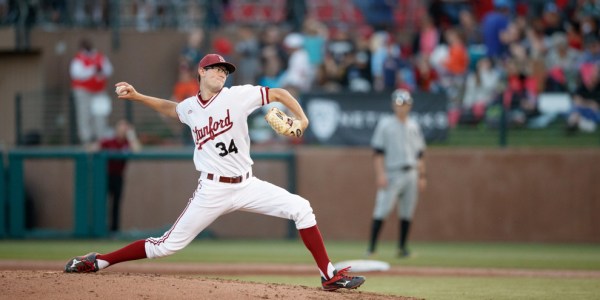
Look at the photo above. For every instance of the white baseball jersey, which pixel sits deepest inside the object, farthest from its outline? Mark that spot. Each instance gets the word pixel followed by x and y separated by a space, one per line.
pixel 220 129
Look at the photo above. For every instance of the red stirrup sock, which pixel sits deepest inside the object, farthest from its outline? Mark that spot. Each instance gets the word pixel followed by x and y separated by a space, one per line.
pixel 314 242
pixel 133 251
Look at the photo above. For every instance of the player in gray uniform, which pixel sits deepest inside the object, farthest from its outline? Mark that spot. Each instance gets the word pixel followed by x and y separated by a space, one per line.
pixel 399 168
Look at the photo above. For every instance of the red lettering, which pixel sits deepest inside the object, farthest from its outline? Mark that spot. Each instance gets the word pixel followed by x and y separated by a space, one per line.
pixel 212 129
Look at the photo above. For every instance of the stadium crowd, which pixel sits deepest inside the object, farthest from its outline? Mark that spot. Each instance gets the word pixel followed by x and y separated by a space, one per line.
pixel 480 54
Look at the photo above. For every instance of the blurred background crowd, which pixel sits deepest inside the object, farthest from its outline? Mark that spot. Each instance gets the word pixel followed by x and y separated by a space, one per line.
pixel 481 54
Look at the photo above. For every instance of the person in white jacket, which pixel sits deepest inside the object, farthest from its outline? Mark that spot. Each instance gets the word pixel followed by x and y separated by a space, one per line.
pixel 300 74
pixel 480 89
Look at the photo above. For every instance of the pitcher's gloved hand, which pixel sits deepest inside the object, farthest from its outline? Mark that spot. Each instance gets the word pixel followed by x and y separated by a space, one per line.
pixel 283 124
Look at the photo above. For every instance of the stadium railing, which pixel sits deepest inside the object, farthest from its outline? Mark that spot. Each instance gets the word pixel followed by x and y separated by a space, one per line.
pixel 90 183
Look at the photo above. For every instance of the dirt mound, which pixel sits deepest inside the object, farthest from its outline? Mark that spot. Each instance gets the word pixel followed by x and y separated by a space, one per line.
pixel 32 284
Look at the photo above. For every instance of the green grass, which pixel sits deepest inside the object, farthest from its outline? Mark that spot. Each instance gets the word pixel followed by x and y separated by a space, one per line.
pixel 552 136
pixel 584 257
pixel 425 254
pixel 463 288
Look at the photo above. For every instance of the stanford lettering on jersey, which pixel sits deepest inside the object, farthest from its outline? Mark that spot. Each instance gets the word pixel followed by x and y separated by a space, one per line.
pixel 212 130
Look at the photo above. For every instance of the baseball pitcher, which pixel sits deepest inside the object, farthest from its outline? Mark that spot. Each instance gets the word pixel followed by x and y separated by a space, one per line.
pixel 217 117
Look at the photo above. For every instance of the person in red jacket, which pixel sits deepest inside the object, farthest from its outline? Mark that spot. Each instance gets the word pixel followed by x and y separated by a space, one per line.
pixel 89 71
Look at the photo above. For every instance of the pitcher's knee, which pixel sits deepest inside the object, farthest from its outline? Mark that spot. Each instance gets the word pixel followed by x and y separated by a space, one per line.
pixel 303 214
pixel 161 248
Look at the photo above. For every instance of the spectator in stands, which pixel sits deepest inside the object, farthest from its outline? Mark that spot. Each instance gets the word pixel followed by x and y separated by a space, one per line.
pixel 271 47
pixel 223 46
pixel 394 69
pixel 585 115
pixel 247 49
pixel 435 10
pixel 426 78
pixel 271 69
pixel 378 13
pixel 457 62
pixel 339 44
pixel 358 75
pixel 589 25
pixel 427 37
pixel 452 10
pixel 299 74
pixel 145 12
pixel 296 13
pixel 535 42
pixel 330 74
pixel 454 67
pixel 481 89
pixel 186 85
pixel 589 8
pixel 315 39
pixel 561 63
pixel 551 19
pixel 574 38
pixel 125 139
pixel 190 55
pixel 470 28
pixel 385 61
pixel 492 25
pixel 339 55
pixel 591 50
pixel 272 57
pixel 514 32
pixel 89 71
pixel 520 94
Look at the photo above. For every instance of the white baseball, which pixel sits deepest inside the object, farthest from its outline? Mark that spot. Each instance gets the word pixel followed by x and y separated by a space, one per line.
pixel 121 90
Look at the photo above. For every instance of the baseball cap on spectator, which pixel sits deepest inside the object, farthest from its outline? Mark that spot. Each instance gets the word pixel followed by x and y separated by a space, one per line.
pixel 293 41
pixel 216 60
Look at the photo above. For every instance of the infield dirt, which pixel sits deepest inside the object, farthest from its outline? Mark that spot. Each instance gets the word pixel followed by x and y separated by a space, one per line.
pixel 155 280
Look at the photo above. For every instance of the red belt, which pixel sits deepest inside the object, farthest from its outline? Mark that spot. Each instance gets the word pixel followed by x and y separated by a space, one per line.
pixel 225 179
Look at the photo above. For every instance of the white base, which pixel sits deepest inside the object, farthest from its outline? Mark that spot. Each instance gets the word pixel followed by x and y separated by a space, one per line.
pixel 363 265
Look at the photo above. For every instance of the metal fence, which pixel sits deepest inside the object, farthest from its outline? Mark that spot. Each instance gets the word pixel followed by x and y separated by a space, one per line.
pixel 48 118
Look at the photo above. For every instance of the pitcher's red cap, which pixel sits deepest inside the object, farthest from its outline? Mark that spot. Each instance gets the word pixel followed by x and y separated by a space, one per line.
pixel 216 59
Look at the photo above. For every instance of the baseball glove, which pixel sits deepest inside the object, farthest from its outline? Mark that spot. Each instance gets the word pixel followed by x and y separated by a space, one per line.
pixel 283 124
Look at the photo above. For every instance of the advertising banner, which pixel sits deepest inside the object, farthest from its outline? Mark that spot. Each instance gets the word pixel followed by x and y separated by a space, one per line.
pixel 350 118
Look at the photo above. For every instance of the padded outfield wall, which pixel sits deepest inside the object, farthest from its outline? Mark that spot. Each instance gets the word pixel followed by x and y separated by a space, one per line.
pixel 527 195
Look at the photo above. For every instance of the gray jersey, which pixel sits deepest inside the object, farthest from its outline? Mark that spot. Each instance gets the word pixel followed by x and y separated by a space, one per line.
pixel 401 142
